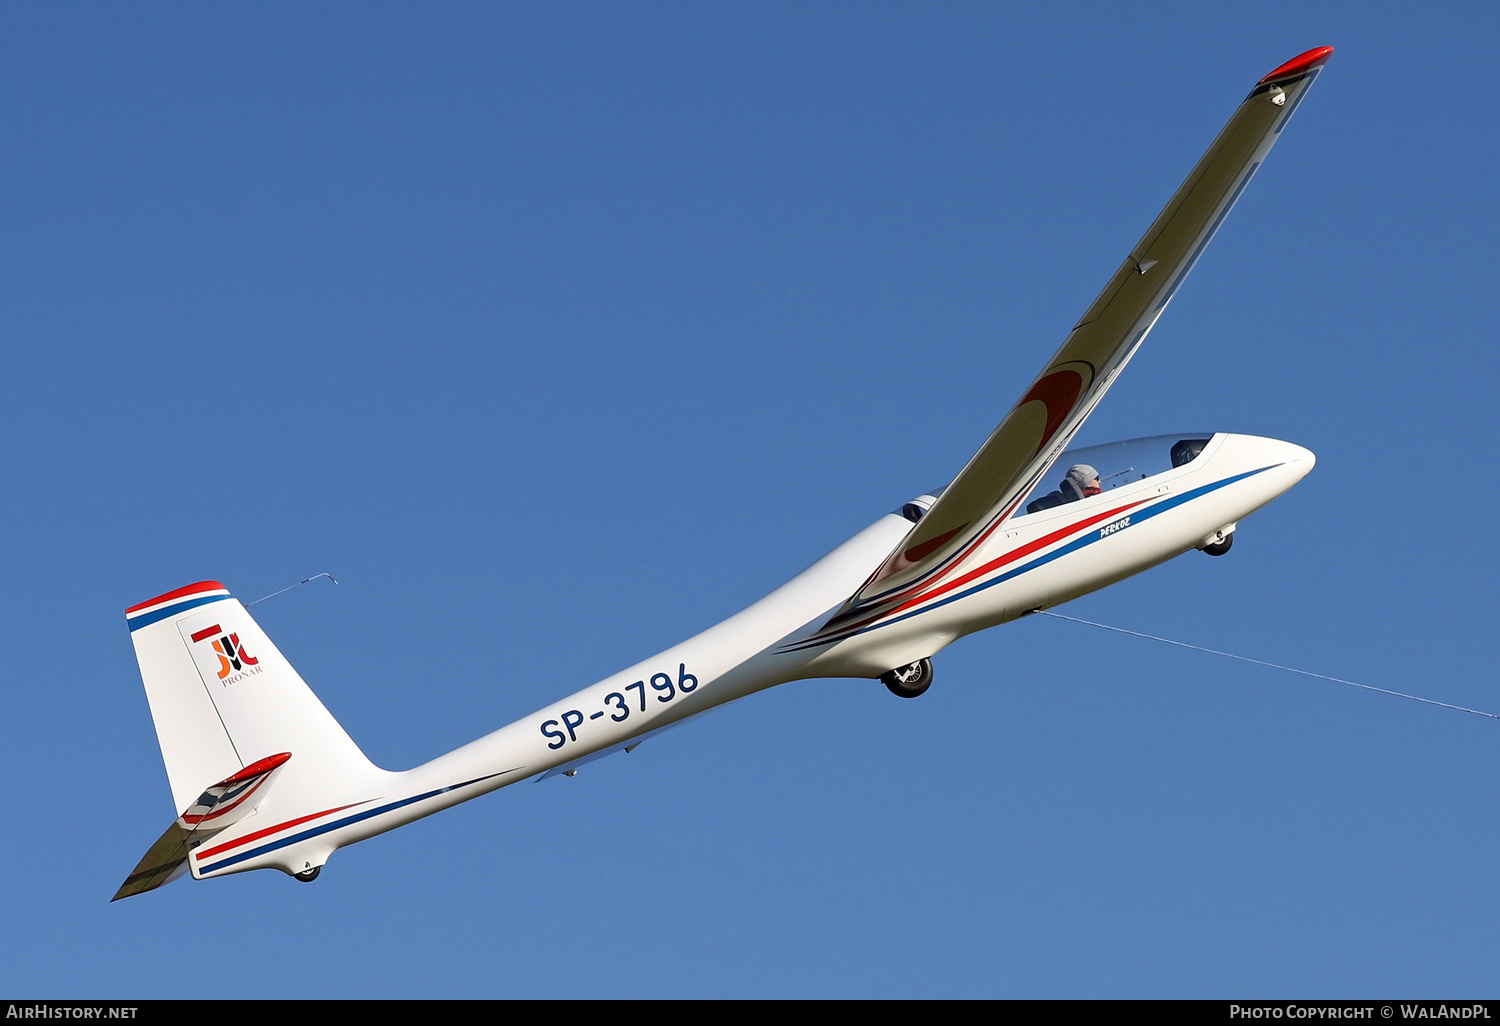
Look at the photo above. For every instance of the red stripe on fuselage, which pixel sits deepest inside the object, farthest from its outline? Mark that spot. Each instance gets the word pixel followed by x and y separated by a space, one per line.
pixel 1013 555
pixel 835 626
pixel 257 835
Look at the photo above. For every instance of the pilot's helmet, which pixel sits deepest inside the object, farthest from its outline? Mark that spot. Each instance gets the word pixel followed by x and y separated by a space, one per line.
pixel 1083 479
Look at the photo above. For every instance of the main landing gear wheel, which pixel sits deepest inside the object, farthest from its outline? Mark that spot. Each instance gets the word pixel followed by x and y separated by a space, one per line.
pixel 910 680
pixel 1221 547
pixel 309 875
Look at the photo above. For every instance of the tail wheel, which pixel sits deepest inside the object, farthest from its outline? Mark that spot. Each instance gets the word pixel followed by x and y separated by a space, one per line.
pixel 910 680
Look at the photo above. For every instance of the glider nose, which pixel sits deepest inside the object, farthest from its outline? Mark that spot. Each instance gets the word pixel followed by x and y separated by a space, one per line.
pixel 1296 454
pixel 1269 452
pixel 1294 462
pixel 1280 464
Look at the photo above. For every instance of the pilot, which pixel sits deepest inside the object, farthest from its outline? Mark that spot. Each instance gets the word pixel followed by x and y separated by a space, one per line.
pixel 1082 480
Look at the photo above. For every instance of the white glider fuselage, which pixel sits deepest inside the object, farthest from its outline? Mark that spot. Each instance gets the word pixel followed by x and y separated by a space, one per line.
pixel 1031 562
pixel 268 778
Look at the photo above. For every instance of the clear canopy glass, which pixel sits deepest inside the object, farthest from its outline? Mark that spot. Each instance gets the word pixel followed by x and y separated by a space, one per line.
pixel 1079 473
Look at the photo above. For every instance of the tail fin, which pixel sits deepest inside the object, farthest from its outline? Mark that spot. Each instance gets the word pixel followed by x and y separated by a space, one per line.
pixel 223 697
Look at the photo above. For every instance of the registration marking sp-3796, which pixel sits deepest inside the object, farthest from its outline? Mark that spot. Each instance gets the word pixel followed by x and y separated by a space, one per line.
pixel 618 706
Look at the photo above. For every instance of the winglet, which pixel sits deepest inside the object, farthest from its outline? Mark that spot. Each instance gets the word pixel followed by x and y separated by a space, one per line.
pixel 1314 58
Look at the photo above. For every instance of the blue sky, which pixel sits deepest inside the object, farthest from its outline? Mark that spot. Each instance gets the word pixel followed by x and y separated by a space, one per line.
pixel 558 334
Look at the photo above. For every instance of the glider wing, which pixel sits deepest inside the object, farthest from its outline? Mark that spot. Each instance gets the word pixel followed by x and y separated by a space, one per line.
pixel 1052 409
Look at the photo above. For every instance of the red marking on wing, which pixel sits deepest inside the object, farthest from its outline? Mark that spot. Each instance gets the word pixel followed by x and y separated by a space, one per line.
pixel 1012 556
pixel 837 624
pixel 906 598
pixel 1301 62
pixel 916 552
pixel 191 589
pixel 1058 391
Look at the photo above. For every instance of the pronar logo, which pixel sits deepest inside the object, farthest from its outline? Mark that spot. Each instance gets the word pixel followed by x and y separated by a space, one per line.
pixel 235 664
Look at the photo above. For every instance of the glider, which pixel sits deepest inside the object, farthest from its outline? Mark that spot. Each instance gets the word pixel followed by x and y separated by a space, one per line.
pixel 267 778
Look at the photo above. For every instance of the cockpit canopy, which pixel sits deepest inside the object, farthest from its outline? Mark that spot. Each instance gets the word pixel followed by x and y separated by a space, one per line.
pixel 1113 464
pixel 1079 473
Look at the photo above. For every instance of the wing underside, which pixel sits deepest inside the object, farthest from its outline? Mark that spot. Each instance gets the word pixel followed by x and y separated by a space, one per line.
pixel 1054 407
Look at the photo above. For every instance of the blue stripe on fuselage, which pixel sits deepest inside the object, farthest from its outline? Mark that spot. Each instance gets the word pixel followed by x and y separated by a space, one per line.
pixel 1073 546
pixel 357 817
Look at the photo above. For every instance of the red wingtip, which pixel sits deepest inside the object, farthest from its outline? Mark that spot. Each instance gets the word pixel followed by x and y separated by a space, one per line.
pixel 1301 62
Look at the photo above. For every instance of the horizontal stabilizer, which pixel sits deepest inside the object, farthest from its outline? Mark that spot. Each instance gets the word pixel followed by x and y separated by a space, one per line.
pixel 229 800
pixel 163 862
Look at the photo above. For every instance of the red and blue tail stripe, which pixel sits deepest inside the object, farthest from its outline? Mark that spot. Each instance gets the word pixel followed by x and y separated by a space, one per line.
pixel 174 602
